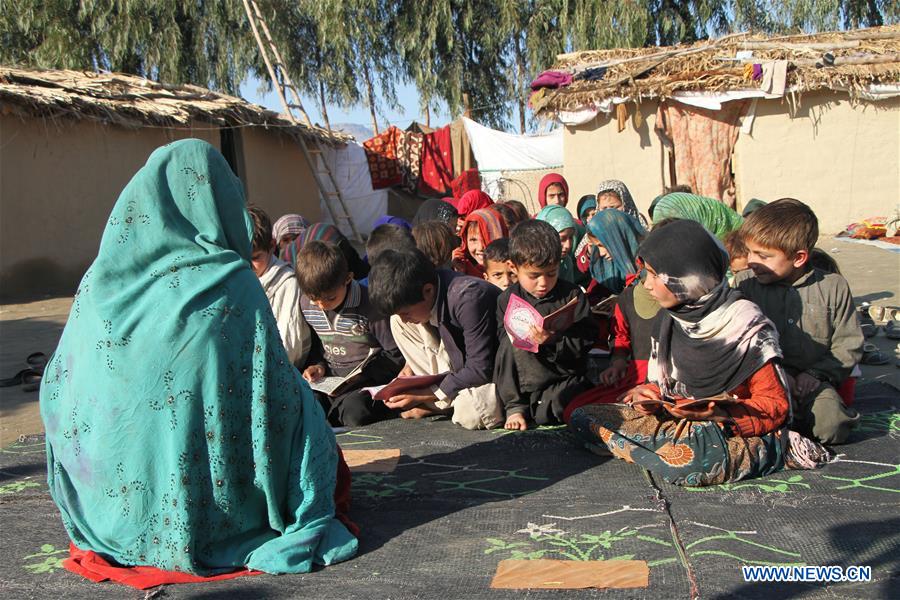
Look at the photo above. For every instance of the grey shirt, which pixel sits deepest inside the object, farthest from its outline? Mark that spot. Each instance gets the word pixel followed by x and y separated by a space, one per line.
pixel 816 321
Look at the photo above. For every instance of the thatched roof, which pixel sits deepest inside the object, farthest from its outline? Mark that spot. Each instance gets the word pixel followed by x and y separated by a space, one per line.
pixel 848 60
pixel 134 102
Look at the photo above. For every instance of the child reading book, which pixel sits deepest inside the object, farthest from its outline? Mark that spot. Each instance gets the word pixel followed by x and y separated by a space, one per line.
pixel 540 367
pixel 349 337
pixel 711 344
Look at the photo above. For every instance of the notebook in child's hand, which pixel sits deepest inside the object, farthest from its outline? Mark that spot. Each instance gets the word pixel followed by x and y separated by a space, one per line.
pixel 335 386
pixel 404 384
pixel 520 317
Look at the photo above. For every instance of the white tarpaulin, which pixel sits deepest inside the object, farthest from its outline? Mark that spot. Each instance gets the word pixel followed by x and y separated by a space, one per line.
pixel 498 151
pixel 351 172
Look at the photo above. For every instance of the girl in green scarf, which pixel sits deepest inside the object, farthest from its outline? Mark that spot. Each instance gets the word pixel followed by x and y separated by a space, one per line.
pixel 712 214
pixel 563 222
pixel 179 436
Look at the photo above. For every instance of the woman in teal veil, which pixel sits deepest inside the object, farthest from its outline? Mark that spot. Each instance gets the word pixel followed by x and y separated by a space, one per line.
pixel 179 436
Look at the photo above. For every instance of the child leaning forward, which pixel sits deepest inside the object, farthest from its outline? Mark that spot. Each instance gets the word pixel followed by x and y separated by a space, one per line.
pixel 710 343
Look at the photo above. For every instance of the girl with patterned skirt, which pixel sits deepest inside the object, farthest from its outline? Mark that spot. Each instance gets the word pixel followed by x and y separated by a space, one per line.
pixel 179 435
pixel 710 344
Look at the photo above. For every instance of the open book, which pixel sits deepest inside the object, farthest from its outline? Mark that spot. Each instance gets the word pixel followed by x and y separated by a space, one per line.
pixel 401 385
pixel 334 385
pixel 688 403
pixel 520 317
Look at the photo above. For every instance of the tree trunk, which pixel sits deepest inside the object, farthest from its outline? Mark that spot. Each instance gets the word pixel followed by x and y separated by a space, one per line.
pixel 322 104
pixel 427 116
pixel 467 106
pixel 370 97
pixel 520 91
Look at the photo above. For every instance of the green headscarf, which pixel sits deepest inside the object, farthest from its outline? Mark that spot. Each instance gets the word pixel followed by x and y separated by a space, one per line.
pixel 620 234
pixel 179 436
pixel 712 214
pixel 561 219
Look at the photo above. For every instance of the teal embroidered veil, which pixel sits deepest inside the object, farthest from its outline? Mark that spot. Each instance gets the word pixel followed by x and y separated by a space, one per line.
pixel 179 435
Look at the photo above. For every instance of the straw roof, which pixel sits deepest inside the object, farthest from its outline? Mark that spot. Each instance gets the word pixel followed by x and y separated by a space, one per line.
pixel 134 102
pixel 848 60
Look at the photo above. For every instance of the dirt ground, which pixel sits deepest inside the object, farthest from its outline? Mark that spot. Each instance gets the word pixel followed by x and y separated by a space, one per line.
pixel 873 273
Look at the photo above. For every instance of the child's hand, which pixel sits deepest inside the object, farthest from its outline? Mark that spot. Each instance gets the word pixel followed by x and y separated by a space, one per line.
pixel 412 400
pixel 516 421
pixel 314 373
pixel 539 335
pixel 805 384
pixel 615 372
pixel 642 392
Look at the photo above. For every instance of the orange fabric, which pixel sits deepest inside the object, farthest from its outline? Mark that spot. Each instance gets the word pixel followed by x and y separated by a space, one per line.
pixel 764 403
pixel 91 565
pixel 634 376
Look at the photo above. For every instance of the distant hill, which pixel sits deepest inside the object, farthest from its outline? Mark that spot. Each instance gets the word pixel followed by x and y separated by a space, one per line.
pixel 360 132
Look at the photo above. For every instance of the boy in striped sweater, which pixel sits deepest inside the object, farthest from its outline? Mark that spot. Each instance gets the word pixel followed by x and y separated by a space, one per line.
pixel 346 331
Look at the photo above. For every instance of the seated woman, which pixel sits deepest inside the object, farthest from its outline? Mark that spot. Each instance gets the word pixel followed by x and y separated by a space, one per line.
pixel 179 435
pixel 710 344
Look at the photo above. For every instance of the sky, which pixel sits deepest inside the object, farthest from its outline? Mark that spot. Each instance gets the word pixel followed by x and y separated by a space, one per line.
pixel 406 95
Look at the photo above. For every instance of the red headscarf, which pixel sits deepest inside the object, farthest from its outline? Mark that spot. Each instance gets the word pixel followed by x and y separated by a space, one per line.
pixel 491 226
pixel 472 201
pixel 548 180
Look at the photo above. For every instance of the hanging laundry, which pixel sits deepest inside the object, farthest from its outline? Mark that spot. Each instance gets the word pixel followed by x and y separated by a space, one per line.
pixel 463 159
pixel 467 181
pixel 774 77
pixel 409 157
pixel 703 144
pixel 551 79
pixel 381 153
pixel 437 162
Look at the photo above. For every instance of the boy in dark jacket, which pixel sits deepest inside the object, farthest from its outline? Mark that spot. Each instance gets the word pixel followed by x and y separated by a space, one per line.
pixel 538 386
pixel 443 322
pixel 346 331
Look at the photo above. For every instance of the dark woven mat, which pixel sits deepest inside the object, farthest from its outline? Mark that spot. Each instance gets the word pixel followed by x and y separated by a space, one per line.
pixel 460 501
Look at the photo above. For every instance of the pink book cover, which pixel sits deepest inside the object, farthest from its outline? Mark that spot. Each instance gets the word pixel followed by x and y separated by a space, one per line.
pixel 519 318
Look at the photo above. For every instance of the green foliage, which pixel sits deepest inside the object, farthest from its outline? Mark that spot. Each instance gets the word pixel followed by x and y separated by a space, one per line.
pixel 475 55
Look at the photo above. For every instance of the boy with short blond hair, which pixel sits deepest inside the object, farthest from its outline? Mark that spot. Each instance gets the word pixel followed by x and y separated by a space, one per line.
pixel 813 311
pixel 536 386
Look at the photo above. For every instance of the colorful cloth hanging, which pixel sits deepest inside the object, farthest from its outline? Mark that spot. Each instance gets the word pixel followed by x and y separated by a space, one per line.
pixel 381 152
pixel 437 162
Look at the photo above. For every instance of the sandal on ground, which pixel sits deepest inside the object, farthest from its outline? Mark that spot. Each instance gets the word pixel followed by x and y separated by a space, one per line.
pixel 37 361
pixel 18 378
pixel 873 356
pixel 892 329
pixel 31 382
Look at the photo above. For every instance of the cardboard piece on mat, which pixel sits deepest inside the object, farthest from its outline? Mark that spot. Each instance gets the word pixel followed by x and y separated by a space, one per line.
pixel 372 461
pixel 570 574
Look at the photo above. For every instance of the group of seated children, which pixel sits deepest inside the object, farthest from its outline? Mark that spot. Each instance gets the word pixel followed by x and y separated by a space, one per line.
pixel 723 363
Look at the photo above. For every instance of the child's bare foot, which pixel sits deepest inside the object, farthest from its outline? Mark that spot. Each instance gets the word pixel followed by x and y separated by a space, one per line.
pixel 516 421
pixel 416 413
pixel 426 409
